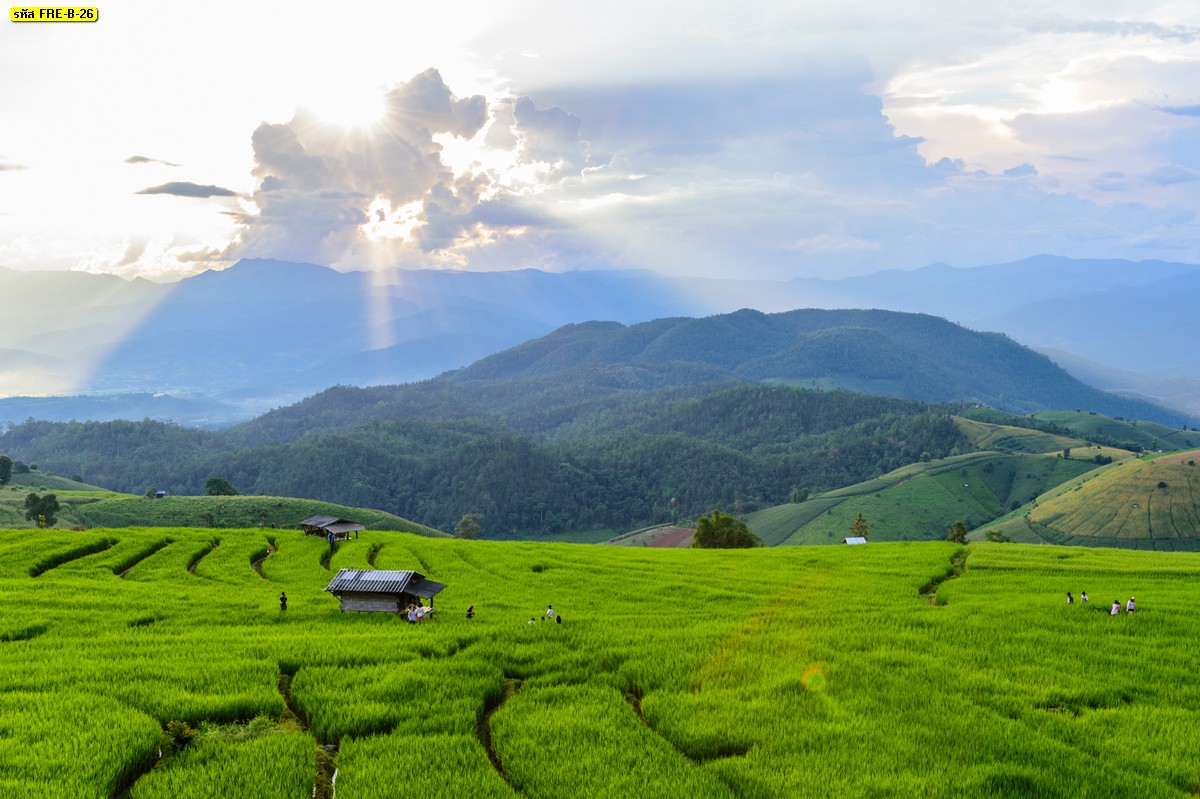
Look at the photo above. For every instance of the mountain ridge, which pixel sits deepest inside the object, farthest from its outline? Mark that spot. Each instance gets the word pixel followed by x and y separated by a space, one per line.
pixel 265 333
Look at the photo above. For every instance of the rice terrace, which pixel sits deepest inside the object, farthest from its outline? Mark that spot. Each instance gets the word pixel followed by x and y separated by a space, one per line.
pixel 156 662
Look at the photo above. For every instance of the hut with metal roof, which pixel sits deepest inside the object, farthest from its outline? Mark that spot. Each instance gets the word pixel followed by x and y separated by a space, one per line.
pixel 324 525
pixel 382 590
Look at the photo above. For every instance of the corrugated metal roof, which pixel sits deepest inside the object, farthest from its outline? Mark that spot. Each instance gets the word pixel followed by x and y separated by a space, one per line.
pixel 383 581
pixel 343 527
pixel 319 521
pixel 425 588
pixel 331 524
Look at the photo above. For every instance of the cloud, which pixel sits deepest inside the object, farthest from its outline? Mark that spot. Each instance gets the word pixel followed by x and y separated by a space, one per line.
pixel 134 252
pixel 186 189
pixel 1186 34
pixel 1182 111
pixel 7 166
pixel 764 175
pixel 350 197
pixel 549 135
pixel 1170 174
pixel 143 159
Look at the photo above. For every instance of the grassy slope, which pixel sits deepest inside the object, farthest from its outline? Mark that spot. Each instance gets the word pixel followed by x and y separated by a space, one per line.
pixel 12 501
pixel 87 506
pixel 677 673
pixel 239 511
pixel 37 480
pixel 918 502
pixel 1120 505
pixel 1146 434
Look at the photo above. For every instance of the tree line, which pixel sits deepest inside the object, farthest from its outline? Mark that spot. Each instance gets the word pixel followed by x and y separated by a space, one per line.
pixel 738 448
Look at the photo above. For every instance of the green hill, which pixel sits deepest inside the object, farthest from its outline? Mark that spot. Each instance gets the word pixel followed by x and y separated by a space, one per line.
pixel 1147 435
pixel 41 481
pixel 884 352
pixel 919 502
pixel 607 426
pixel 156 663
pixel 234 512
pixel 88 506
pixel 623 464
pixel 1151 503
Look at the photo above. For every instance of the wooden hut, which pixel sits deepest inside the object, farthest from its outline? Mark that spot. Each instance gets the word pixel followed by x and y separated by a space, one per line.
pixel 324 525
pixel 382 591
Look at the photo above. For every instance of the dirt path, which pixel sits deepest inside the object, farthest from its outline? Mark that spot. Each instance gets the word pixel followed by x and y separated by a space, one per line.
pixel 674 538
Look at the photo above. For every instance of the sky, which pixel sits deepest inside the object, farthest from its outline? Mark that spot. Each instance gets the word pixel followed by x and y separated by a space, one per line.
pixel 764 140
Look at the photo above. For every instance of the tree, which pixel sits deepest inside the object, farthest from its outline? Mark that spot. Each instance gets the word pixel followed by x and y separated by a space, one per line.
pixel 860 527
pixel 219 487
pixel 42 509
pixel 6 465
pixel 722 531
pixel 468 526
pixel 958 532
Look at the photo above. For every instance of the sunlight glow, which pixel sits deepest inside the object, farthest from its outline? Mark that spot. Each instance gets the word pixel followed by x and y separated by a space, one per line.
pixel 386 223
pixel 349 106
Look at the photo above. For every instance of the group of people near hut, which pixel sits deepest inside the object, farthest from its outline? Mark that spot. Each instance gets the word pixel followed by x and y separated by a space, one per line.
pixel 417 613
pixel 1116 605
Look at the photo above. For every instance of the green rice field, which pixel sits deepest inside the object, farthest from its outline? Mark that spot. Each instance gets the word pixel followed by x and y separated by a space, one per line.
pixel 155 662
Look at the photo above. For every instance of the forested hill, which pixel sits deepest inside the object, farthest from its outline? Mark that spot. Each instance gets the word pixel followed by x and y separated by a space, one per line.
pixel 915 356
pixel 650 459
pixel 589 378
pixel 605 426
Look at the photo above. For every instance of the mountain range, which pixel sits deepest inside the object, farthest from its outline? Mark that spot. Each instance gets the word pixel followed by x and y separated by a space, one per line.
pixel 605 426
pixel 224 346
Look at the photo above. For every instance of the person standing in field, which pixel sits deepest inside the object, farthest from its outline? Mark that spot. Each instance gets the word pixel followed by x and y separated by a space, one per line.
pixel 471 612
pixel 549 611
pixel 1116 608
pixel 282 601
pixel 1083 597
pixel 1070 599
pixel 1129 605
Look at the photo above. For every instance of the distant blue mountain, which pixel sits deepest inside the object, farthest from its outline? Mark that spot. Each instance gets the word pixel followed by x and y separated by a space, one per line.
pixel 265 333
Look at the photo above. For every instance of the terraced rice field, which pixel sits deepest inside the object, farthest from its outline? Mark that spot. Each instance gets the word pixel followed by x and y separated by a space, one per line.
pixel 156 663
